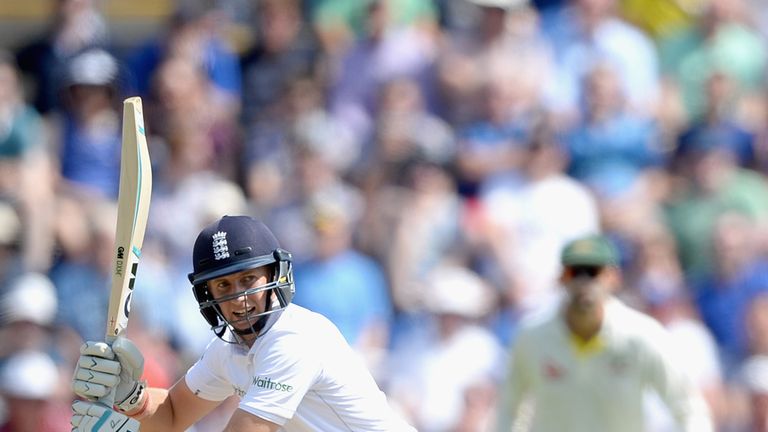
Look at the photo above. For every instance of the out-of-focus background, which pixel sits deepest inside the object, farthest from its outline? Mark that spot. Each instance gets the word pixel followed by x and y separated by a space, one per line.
pixel 424 160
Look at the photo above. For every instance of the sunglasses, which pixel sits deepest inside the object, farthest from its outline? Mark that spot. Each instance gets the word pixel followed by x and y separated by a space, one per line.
pixel 584 271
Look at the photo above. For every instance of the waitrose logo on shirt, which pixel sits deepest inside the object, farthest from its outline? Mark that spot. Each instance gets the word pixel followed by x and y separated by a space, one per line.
pixel 267 383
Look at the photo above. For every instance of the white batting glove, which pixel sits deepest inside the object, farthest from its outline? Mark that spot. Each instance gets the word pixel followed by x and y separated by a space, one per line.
pixel 101 367
pixel 94 417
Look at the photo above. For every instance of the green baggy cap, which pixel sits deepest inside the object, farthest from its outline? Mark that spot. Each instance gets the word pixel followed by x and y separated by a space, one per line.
pixel 593 250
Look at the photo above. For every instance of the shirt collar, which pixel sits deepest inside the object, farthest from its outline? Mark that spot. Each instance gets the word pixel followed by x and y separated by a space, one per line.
pixel 597 343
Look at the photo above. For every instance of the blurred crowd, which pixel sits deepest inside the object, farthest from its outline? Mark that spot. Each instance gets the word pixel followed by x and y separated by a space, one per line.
pixel 424 160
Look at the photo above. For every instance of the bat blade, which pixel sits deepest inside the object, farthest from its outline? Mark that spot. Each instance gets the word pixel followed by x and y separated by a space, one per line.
pixel 132 212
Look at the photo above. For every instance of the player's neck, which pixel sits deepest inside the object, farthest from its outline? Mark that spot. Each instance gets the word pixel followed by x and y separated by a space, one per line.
pixel 584 325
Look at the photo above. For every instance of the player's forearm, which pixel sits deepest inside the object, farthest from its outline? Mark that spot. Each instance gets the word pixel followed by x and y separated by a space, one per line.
pixel 175 409
pixel 157 415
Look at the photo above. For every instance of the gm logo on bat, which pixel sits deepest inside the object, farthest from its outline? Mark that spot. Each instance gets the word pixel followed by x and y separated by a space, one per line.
pixel 119 261
pixel 131 282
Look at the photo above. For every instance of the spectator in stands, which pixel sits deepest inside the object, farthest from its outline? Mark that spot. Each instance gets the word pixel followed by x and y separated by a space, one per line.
pixel 610 147
pixel 384 53
pixel 33 389
pixel 303 121
pixel 75 26
pixel 26 171
pixel 412 222
pixel 656 280
pixel 752 380
pixel 722 40
pixel 336 268
pixel 22 128
pixel 193 32
pixel 709 183
pixel 493 143
pixel 587 32
pixel 432 375
pixel 404 128
pixel 724 294
pixel 496 39
pixel 285 49
pixel 523 230
pixel 198 128
pixel 11 232
pixel 28 307
pixel 339 23
pixel 753 375
pixel 81 273
pixel 719 123
pixel 660 18
pixel 90 130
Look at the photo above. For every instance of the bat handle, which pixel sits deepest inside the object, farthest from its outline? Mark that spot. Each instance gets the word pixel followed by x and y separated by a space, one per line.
pixel 109 399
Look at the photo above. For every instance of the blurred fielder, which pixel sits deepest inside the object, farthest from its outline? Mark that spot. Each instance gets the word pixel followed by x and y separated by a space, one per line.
pixel 586 366
pixel 291 368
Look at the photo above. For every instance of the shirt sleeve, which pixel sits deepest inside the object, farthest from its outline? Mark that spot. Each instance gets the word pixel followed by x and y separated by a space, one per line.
pixel 285 369
pixel 203 380
pixel 514 387
pixel 666 376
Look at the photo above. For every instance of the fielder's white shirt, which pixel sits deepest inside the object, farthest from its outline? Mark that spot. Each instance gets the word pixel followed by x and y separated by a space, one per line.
pixel 555 386
pixel 301 374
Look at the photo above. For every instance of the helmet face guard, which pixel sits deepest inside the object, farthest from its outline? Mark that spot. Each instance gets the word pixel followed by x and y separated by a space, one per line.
pixel 231 245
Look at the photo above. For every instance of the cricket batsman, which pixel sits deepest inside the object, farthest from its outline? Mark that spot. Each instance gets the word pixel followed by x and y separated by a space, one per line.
pixel 290 367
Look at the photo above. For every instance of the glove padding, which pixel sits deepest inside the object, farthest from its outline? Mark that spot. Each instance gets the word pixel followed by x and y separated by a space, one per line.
pixel 102 367
pixel 94 417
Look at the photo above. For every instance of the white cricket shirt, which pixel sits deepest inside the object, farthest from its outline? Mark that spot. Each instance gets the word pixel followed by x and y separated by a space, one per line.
pixel 599 387
pixel 301 374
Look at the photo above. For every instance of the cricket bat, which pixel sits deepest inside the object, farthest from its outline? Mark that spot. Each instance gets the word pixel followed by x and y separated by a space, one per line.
pixel 132 213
